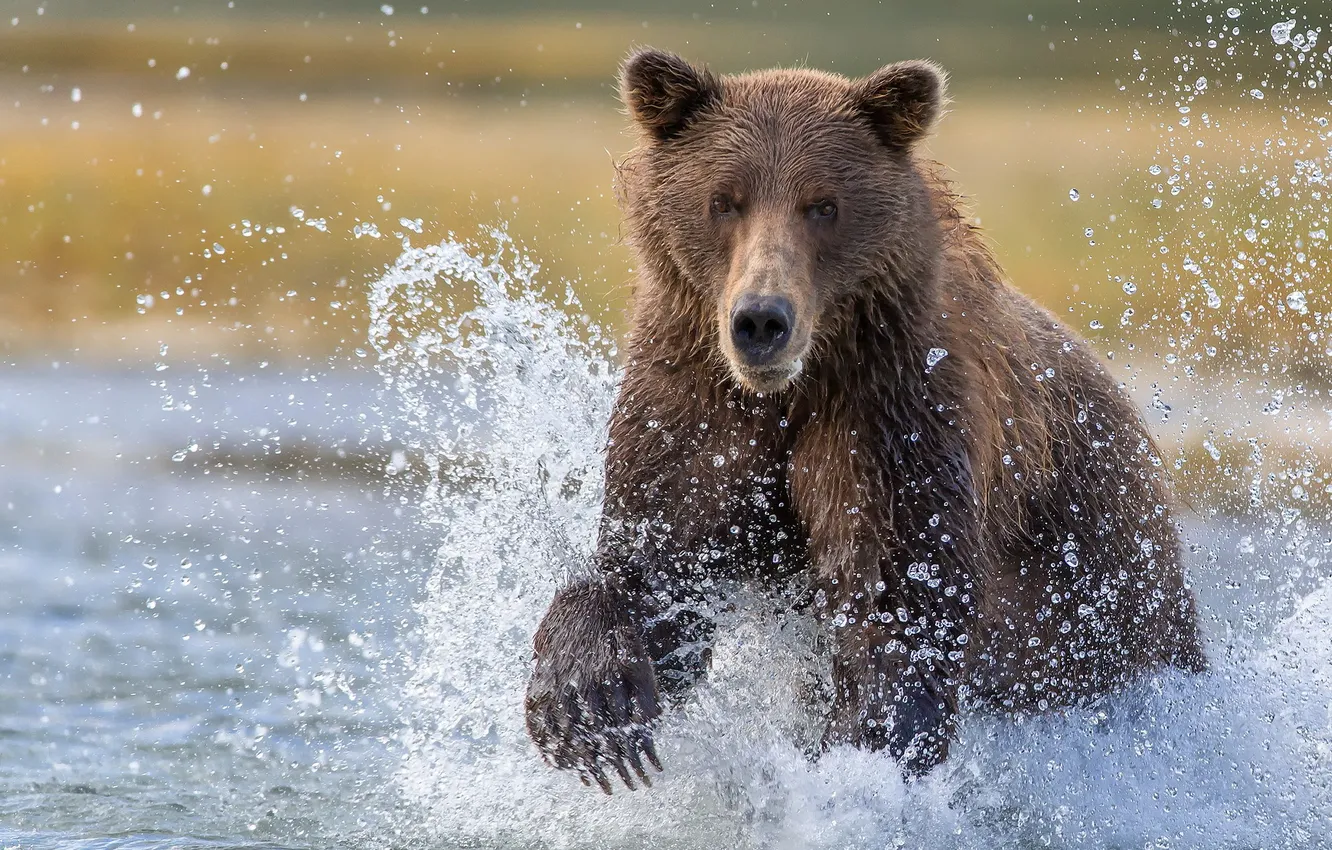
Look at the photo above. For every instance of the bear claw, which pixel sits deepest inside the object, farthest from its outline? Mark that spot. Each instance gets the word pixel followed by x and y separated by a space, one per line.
pixel 593 730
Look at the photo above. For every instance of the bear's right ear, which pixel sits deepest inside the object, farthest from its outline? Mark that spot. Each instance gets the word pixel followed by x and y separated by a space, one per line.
pixel 663 92
pixel 901 101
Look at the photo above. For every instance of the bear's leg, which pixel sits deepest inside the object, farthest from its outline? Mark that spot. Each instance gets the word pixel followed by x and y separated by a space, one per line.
pixel 885 700
pixel 593 694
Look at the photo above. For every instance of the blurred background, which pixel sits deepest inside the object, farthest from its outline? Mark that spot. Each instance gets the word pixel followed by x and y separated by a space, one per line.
pixel 140 135
pixel 222 178
pixel 196 196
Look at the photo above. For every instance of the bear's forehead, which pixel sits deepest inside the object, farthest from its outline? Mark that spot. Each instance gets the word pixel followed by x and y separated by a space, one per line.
pixel 793 122
pixel 784 111
pixel 793 94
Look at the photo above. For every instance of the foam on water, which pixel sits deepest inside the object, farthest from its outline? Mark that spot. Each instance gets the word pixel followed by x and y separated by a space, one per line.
pixel 1241 757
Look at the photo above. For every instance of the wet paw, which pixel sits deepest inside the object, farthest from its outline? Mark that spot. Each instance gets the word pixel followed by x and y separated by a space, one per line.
pixel 593 695
pixel 596 724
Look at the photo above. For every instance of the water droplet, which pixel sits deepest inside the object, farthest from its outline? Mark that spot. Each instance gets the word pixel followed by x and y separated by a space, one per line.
pixel 1295 300
pixel 1073 194
pixel 1281 31
pixel 933 357
pixel 1071 558
pixel 718 460
pixel 137 110
pixel 183 72
pixel 1251 235
pixel 1232 13
pixel 918 571
pixel 76 94
pixel 1130 287
pixel 1256 94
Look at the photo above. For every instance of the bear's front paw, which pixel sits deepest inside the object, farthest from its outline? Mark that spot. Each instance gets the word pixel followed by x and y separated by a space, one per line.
pixel 589 717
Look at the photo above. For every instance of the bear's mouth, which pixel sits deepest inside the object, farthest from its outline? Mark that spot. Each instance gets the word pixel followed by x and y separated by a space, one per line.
pixel 763 341
pixel 768 379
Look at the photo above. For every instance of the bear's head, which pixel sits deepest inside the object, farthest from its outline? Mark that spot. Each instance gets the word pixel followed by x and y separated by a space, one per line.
pixel 778 198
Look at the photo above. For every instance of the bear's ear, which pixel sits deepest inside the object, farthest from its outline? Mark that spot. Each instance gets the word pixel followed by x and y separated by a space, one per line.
pixel 901 101
pixel 663 91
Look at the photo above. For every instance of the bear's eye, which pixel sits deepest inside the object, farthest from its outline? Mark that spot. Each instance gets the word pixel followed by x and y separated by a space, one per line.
pixel 823 210
pixel 722 205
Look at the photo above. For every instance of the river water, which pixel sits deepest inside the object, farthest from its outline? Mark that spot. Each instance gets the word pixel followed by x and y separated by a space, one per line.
pixel 204 651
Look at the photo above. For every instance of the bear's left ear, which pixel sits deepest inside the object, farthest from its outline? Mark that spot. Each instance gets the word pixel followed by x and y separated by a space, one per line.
pixel 901 101
pixel 663 92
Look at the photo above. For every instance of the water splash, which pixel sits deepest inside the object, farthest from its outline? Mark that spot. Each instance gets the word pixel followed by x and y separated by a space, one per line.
pixel 1235 207
pixel 508 404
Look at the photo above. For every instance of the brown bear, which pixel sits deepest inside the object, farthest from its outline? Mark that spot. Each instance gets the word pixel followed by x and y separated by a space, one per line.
pixel 829 380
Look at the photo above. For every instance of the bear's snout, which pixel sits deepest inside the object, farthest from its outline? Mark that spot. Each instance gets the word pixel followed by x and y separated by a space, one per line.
pixel 761 327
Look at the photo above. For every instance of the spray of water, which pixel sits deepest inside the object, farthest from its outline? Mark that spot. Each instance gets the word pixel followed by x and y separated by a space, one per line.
pixel 508 405
pixel 503 389
pixel 1232 214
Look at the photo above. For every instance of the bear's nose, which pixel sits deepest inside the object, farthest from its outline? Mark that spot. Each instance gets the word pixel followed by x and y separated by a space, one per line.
pixel 761 326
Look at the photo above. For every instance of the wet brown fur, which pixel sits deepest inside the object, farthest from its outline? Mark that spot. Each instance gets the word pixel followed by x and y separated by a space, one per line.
pixel 994 530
